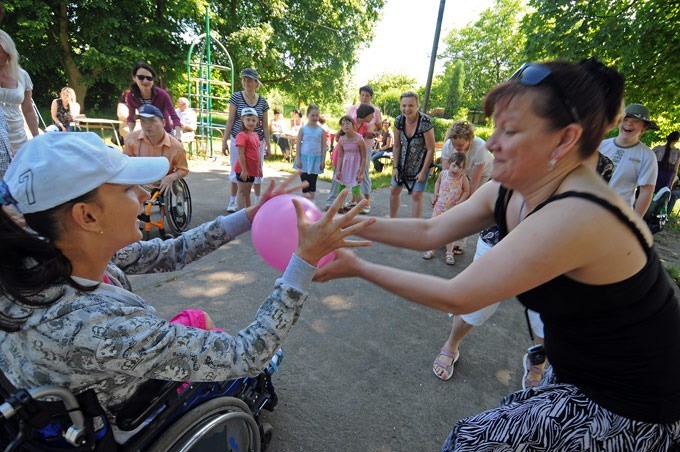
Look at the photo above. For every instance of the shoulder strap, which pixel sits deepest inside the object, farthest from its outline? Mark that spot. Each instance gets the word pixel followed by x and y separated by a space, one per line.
pixel 502 201
pixel 618 213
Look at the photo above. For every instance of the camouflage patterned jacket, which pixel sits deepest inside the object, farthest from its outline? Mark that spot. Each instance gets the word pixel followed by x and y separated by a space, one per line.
pixel 112 341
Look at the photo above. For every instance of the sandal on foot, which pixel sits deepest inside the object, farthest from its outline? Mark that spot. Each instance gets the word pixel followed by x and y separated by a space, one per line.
pixel 427 255
pixel 448 368
pixel 450 260
pixel 457 250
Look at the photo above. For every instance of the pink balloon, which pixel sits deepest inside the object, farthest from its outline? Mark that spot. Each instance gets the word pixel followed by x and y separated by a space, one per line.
pixel 274 231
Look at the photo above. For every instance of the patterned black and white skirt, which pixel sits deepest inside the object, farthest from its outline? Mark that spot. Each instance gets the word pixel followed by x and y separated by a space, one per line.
pixel 558 418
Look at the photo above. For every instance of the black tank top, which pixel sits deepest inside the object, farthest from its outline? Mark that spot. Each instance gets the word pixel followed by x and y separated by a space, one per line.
pixel 619 343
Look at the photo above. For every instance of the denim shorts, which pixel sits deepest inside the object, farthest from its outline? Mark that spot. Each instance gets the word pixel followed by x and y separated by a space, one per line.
pixel 418 186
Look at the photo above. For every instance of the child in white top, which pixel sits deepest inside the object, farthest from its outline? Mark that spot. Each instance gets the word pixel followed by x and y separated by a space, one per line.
pixel 310 157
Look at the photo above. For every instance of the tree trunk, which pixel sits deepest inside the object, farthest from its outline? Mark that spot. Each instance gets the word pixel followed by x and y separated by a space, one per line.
pixel 73 74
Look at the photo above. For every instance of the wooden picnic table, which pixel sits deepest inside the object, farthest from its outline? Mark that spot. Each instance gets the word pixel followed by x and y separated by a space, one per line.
pixel 100 124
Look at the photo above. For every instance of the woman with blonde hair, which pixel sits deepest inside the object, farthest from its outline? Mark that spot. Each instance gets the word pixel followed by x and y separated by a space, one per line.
pixel 460 137
pixel 65 109
pixel 16 94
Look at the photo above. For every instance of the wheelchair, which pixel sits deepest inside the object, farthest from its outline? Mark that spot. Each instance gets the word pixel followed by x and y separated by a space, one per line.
pixel 656 216
pixel 161 416
pixel 175 210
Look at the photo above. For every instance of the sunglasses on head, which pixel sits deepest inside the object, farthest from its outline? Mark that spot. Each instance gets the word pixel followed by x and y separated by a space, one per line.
pixel 533 74
pixel 144 77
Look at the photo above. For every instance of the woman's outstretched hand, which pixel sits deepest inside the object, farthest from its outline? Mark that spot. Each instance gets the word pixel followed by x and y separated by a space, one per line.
pixel 273 190
pixel 345 265
pixel 330 232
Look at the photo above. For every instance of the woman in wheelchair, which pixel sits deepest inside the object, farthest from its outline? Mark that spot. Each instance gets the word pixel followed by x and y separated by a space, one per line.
pixel 67 313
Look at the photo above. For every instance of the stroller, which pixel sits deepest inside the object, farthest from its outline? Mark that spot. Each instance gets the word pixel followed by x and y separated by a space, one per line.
pixel 161 416
pixel 656 216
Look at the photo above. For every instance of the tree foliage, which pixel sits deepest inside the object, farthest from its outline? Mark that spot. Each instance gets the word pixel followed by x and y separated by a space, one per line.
pixel 639 37
pixel 489 48
pixel 95 43
pixel 388 88
pixel 306 48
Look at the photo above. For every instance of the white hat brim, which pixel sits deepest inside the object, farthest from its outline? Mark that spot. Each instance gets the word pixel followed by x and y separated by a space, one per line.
pixel 141 170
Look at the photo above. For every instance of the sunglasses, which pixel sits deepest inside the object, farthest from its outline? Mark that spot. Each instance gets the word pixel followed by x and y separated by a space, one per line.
pixel 533 74
pixel 144 77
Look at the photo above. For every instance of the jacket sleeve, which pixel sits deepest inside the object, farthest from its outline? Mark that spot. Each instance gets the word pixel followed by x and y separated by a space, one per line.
pixel 156 256
pixel 140 344
pixel 132 105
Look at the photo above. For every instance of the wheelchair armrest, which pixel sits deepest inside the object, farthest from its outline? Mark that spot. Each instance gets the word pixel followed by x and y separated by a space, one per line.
pixel 148 399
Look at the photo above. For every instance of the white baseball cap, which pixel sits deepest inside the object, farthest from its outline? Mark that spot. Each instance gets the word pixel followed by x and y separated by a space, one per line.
pixel 55 168
pixel 248 111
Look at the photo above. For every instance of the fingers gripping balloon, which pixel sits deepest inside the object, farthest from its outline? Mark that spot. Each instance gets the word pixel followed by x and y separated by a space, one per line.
pixel 274 231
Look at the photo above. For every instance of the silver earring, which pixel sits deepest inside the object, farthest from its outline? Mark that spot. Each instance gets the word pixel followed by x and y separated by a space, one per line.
pixel 551 164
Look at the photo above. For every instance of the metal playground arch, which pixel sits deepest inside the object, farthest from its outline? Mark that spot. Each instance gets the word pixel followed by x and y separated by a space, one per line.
pixel 210 84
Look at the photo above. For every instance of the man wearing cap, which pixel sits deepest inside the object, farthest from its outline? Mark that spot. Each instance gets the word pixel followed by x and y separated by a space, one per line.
pixel 635 164
pixel 153 141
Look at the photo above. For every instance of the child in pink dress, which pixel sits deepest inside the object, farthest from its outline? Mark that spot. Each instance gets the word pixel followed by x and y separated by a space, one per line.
pixel 452 188
pixel 351 151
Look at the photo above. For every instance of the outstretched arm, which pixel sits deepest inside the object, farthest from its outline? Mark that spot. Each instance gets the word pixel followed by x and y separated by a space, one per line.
pixel 560 239
pixel 426 234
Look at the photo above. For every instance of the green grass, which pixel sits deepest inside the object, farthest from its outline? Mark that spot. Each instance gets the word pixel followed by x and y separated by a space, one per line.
pixel 673 223
pixel 674 272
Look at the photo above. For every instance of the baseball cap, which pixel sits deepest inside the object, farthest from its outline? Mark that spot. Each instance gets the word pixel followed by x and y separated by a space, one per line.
pixel 251 73
pixel 149 111
pixel 639 111
pixel 248 111
pixel 54 168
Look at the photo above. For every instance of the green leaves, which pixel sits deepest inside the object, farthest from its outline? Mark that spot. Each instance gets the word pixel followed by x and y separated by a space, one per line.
pixel 488 49
pixel 303 47
pixel 639 37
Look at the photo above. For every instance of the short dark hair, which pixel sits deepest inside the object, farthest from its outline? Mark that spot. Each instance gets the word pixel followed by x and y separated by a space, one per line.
pixel 595 90
pixel 366 88
pixel 133 86
pixel 364 110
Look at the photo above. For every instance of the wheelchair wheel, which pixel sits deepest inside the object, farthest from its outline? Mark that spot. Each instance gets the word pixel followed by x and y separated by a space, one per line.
pixel 224 423
pixel 178 207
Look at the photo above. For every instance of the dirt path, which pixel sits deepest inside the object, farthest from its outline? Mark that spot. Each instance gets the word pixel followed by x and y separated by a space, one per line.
pixel 668 244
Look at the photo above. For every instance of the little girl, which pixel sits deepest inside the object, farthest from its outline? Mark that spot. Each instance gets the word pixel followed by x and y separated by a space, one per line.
pixel 351 151
pixel 310 157
pixel 249 165
pixel 452 188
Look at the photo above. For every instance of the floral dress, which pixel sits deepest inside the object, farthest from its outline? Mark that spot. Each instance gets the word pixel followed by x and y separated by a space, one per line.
pixel 450 190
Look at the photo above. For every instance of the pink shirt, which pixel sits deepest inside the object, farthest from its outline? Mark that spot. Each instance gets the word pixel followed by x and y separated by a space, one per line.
pixel 251 143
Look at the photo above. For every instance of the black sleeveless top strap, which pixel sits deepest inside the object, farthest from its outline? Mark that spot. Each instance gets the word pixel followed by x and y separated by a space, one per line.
pixel 619 343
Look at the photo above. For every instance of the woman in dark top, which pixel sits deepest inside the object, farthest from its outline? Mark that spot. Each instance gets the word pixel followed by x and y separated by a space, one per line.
pixel 64 110
pixel 612 322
